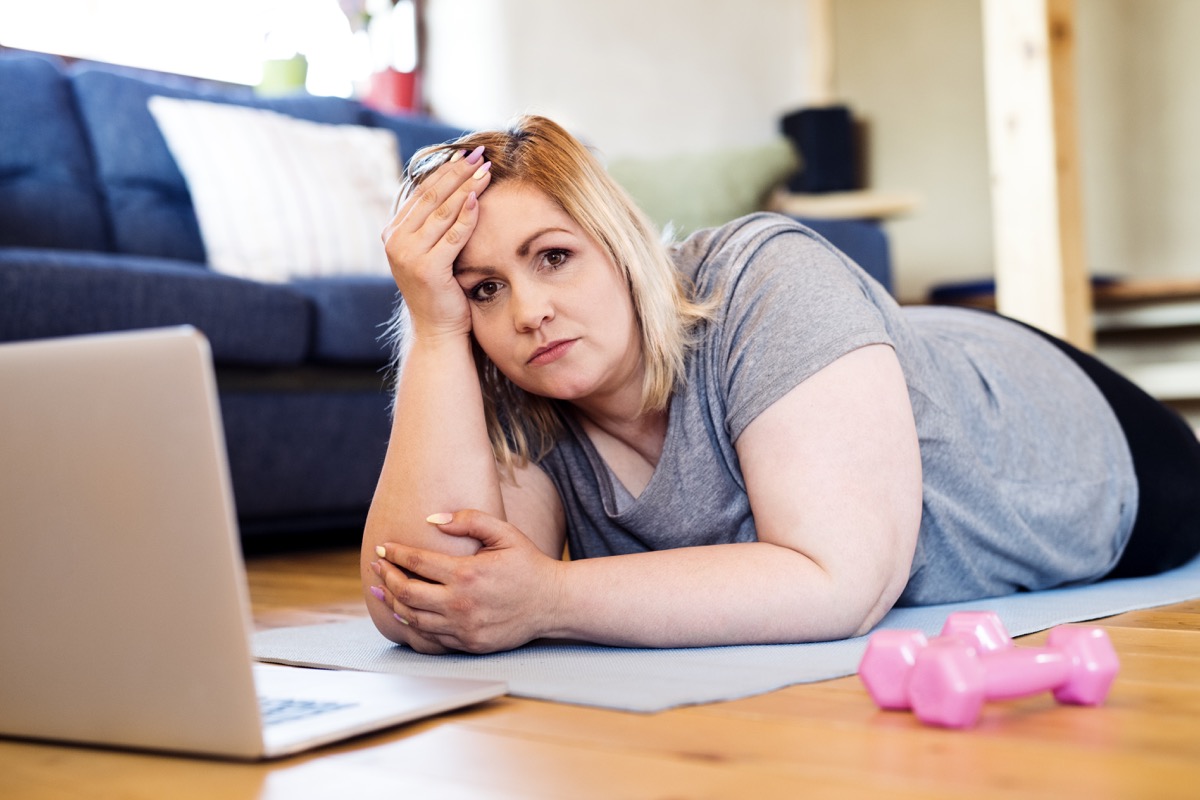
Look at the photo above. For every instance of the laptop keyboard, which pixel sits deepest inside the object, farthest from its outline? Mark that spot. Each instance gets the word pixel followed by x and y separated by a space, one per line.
pixel 277 710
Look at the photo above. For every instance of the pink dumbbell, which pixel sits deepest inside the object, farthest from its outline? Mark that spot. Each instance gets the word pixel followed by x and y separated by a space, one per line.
pixel 888 662
pixel 951 679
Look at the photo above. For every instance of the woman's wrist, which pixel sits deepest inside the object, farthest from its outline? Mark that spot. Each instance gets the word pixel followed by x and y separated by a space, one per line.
pixel 436 336
pixel 556 615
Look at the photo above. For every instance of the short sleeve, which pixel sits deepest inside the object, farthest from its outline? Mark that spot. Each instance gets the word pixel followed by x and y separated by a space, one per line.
pixel 791 305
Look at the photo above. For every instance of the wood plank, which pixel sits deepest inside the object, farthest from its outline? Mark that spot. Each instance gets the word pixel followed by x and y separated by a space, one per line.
pixel 866 204
pixel 1041 274
pixel 1147 290
pixel 818 50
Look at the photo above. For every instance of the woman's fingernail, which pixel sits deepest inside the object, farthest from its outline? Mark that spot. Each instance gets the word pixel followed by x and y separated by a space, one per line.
pixel 375 590
pixel 439 519
pixel 476 154
pixel 400 619
pixel 381 551
pixel 457 155
pixel 378 570
pixel 483 170
pixel 472 200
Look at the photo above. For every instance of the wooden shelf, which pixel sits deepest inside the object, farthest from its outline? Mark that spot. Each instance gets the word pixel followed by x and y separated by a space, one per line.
pixel 1124 303
pixel 866 204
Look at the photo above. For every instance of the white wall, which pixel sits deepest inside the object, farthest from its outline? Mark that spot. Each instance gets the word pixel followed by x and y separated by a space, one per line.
pixel 1148 177
pixel 634 77
pixel 913 71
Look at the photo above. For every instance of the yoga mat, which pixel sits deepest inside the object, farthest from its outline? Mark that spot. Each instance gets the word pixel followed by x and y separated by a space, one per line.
pixel 645 680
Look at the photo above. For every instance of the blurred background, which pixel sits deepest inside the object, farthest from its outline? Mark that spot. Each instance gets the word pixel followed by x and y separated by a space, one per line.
pixel 655 78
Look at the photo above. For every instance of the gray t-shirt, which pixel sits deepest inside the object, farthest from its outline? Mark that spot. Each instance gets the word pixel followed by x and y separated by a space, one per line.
pixel 1028 480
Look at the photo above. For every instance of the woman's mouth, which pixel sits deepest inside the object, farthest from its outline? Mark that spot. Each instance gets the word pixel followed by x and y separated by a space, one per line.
pixel 551 352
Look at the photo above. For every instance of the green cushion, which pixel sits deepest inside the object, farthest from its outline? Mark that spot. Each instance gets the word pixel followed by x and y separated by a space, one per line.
pixel 702 190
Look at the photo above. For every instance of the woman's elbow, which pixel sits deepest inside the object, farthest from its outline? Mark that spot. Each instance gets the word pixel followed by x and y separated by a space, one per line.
pixel 874 604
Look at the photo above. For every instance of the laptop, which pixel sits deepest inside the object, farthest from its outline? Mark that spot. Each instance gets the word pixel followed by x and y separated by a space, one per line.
pixel 124 610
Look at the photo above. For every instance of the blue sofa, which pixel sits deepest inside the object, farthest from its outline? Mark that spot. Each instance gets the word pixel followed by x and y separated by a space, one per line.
pixel 98 233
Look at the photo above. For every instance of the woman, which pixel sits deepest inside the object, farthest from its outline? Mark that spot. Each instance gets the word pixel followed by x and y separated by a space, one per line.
pixel 741 439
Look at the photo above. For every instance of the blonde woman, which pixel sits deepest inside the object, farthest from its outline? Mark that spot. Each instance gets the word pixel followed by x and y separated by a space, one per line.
pixel 738 439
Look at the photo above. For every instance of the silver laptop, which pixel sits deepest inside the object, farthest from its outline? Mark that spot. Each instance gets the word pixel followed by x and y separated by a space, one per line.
pixel 124 613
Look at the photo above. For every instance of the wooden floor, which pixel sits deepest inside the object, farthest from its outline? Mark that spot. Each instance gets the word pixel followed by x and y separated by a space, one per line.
pixel 826 739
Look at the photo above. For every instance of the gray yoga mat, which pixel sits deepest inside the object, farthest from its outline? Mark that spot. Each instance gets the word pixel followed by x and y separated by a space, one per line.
pixel 653 680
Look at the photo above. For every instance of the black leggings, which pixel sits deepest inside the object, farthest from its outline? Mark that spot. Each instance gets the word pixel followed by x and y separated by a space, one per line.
pixel 1166 459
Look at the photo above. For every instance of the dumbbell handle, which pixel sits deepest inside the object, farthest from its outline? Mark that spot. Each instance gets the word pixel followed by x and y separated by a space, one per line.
pixel 1023 671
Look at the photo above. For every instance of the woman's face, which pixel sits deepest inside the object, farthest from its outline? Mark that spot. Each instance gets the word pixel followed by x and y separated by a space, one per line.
pixel 548 306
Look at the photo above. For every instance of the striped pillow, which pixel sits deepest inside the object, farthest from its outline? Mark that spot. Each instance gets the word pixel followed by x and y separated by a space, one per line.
pixel 278 197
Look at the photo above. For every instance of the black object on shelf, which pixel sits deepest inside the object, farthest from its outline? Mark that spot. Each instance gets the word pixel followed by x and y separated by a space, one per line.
pixel 826 139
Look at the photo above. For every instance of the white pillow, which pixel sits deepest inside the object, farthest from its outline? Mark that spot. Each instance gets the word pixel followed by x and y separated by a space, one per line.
pixel 278 197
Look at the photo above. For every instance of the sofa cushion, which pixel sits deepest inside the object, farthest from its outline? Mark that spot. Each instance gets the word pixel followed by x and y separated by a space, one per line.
pixel 63 293
pixel 350 318
pixel 278 197
pixel 413 132
pixel 150 209
pixel 47 197
pixel 690 191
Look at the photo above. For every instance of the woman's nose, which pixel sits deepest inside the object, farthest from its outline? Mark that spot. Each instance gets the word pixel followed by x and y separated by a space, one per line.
pixel 531 306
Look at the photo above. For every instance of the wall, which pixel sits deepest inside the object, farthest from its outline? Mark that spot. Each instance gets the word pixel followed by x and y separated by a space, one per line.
pixel 913 69
pixel 649 77
pixel 913 72
pixel 1150 173
pixel 634 77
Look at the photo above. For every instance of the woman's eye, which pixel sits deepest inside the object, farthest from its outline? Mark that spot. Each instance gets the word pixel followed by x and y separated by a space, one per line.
pixel 556 258
pixel 485 292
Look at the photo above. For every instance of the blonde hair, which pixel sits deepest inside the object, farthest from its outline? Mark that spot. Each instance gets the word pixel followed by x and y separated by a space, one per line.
pixel 537 152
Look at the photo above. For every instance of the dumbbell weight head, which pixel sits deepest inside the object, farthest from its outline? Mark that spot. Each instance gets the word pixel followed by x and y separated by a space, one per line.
pixel 983 629
pixel 947 685
pixel 1095 664
pixel 886 665
pixel 890 655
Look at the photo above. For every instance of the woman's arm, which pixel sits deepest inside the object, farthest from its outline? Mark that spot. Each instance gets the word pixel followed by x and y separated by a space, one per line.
pixel 834 476
pixel 438 453
pixel 833 471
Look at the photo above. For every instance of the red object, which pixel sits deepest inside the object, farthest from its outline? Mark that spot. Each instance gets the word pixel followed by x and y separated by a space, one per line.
pixel 393 91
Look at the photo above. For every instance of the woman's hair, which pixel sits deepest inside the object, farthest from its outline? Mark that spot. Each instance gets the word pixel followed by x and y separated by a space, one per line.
pixel 538 153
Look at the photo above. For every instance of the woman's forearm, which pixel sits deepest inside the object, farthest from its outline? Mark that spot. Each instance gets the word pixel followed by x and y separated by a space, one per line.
pixel 438 457
pixel 721 594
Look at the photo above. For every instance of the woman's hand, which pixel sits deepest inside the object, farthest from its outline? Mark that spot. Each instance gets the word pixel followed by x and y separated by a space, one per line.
pixel 500 598
pixel 427 233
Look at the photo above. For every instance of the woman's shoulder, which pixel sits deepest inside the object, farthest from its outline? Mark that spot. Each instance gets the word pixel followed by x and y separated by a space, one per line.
pixel 712 255
pixel 759 249
pixel 737 233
